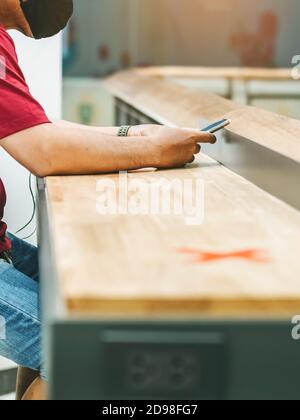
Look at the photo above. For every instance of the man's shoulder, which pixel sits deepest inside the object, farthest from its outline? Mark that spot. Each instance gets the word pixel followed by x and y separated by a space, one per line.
pixel 7 45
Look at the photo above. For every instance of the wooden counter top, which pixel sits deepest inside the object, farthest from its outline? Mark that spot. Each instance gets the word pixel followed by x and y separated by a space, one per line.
pixel 132 266
pixel 175 105
pixel 229 73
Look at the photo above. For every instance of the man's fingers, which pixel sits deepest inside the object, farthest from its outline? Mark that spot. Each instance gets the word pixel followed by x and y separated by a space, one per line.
pixel 202 136
pixel 197 149
pixel 207 138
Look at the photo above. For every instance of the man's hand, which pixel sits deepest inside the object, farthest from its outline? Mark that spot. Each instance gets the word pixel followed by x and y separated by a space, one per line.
pixel 173 147
pixel 51 149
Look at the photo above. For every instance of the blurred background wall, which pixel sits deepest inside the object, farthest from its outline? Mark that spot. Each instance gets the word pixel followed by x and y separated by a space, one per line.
pixel 109 35
pixel 106 35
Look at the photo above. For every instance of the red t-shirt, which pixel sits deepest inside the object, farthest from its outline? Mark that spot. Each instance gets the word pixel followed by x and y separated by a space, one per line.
pixel 18 109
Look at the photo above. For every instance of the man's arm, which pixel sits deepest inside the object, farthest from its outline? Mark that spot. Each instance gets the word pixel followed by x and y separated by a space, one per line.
pixel 49 149
pixel 111 131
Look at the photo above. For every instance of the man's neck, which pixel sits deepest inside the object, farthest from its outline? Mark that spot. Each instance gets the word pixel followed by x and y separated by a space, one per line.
pixel 11 16
pixel 7 12
pixel 4 16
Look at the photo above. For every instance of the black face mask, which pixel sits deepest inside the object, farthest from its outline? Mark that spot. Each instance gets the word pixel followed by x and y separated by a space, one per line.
pixel 47 17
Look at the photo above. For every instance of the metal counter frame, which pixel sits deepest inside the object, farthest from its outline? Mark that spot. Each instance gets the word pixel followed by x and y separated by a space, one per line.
pixel 8 379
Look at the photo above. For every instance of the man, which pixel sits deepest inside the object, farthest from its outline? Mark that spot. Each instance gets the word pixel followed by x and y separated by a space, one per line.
pixel 51 148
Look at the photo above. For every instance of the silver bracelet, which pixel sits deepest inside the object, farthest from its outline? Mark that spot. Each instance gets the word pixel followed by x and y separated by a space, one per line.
pixel 124 131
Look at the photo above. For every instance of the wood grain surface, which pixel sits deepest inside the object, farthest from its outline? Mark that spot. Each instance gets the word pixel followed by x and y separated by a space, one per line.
pixel 130 265
pixel 123 265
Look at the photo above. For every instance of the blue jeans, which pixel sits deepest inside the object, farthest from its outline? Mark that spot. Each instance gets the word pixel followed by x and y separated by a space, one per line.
pixel 20 340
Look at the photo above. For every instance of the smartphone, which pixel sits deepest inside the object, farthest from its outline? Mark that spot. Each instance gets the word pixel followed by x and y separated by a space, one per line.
pixel 217 126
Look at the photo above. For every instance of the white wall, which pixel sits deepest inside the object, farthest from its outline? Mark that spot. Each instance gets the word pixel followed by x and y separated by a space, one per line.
pixel 41 63
pixel 178 32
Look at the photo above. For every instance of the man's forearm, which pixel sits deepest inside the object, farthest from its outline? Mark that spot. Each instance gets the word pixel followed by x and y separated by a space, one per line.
pixel 51 150
pixel 111 131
